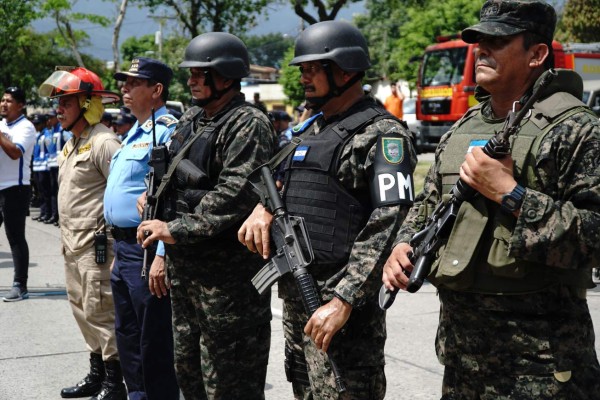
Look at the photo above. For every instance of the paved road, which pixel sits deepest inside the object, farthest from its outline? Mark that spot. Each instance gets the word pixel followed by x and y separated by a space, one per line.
pixel 41 349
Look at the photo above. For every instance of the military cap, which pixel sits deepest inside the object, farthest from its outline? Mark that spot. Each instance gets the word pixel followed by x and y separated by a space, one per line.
pixel 279 116
pixel 38 119
pixel 147 68
pixel 106 116
pixel 510 17
pixel 124 119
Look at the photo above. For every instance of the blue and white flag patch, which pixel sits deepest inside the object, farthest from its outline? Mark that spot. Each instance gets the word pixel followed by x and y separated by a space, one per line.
pixel 476 143
pixel 300 153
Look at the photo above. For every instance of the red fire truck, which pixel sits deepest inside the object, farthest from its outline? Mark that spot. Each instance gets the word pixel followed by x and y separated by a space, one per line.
pixel 446 83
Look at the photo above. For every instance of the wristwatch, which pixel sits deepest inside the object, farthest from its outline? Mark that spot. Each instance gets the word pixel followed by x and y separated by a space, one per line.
pixel 512 201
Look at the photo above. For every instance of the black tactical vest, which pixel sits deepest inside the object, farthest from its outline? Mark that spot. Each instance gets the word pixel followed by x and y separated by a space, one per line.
pixel 181 199
pixel 334 216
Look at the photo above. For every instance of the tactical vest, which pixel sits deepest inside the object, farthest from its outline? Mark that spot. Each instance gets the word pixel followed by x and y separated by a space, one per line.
pixel 476 256
pixel 182 199
pixel 334 216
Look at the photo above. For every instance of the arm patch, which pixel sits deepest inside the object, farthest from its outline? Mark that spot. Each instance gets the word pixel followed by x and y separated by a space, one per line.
pixel 391 175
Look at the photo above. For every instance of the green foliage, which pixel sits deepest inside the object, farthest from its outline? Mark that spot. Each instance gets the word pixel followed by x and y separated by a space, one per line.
pixel 173 49
pixel 410 27
pixel 580 22
pixel 325 10
pixel 290 80
pixel 137 46
pixel 15 36
pixel 268 50
pixel 64 17
pixel 196 16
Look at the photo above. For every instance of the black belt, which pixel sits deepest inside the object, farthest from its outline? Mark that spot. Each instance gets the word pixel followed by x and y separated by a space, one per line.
pixel 123 233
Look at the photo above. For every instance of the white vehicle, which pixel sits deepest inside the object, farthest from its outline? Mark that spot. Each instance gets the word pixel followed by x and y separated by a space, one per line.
pixel 414 125
pixel 591 95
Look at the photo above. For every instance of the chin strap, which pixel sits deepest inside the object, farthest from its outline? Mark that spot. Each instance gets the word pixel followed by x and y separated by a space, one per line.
pixel 83 109
pixel 315 103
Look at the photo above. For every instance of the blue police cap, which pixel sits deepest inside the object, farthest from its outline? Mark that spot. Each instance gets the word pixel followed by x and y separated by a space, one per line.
pixel 147 68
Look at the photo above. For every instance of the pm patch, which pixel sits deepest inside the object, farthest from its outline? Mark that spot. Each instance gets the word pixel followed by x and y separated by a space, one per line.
pixel 391 175
pixel 393 149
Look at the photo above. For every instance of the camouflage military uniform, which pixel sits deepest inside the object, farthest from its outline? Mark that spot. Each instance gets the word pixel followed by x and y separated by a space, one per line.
pixel 358 348
pixel 221 324
pixel 528 345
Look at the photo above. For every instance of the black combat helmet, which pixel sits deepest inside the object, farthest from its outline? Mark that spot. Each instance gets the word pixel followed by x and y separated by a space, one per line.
pixel 336 41
pixel 223 52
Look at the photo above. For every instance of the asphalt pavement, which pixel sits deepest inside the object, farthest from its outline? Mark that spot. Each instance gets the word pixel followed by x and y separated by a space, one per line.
pixel 42 350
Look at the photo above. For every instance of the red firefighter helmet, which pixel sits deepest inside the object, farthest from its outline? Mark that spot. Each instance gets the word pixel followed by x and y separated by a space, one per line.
pixel 66 81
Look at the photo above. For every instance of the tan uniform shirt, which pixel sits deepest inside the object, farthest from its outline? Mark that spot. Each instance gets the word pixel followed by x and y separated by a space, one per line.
pixel 84 165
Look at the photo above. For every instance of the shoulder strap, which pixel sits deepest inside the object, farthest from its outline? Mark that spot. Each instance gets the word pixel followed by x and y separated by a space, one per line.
pixel 304 131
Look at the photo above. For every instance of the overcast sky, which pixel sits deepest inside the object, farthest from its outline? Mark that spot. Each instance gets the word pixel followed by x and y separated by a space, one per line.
pixel 138 23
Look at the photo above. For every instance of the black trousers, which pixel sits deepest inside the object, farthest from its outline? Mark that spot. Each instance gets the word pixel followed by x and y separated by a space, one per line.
pixel 14 205
pixel 43 183
pixel 54 191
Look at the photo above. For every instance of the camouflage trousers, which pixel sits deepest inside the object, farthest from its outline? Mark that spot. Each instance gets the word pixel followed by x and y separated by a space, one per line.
pixel 216 364
pixel 309 370
pixel 580 384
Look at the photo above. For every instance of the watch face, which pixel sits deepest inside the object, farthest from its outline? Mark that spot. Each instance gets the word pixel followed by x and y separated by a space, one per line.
pixel 510 203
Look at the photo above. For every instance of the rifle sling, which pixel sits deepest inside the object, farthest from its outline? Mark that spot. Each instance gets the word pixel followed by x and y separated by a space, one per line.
pixel 207 131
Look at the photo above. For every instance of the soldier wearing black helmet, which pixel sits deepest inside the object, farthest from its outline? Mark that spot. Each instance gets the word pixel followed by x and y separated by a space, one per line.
pixel 351 180
pixel 221 325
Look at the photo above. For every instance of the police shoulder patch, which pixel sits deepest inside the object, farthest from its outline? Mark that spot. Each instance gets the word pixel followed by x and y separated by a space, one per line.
pixel 167 120
pixel 391 175
pixel 392 149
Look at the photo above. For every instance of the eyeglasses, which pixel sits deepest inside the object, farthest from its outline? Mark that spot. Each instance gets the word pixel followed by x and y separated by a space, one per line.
pixel 12 90
pixel 312 68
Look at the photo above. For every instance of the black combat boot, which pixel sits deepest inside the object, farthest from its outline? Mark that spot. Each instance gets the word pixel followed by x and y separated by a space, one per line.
pixel 113 387
pixel 91 384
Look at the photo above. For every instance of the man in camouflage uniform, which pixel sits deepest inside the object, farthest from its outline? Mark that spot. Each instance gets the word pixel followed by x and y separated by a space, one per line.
pixel 221 324
pixel 352 190
pixel 513 275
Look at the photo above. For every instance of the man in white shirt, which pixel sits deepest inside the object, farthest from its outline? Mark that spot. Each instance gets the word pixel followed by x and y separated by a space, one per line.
pixel 17 137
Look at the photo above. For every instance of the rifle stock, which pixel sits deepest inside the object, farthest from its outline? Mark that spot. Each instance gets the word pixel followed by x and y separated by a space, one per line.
pixel 427 242
pixel 288 233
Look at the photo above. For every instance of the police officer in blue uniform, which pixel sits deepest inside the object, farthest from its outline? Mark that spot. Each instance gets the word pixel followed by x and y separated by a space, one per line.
pixel 55 141
pixel 143 306
pixel 41 172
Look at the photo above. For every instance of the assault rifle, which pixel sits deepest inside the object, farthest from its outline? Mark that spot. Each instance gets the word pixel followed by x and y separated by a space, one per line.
pixel 427 242
pixel 158 167
pixel 288 232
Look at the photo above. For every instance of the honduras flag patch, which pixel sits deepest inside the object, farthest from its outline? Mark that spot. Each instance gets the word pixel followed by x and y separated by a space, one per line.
pixel 300 153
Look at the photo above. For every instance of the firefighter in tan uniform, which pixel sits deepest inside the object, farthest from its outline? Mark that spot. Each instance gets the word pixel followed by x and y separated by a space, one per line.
pixel 84 165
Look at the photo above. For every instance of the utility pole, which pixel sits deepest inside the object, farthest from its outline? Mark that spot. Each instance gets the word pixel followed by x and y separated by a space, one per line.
pixel 158 36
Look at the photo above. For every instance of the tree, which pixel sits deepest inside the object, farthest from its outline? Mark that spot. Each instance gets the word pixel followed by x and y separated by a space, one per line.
pixel 290 80
pixel 268 50
pixel 117 31
pixel 61 11
pixel 196 16
pixel 416 24
pixel 174 48
pixel 580 21
pixel 325 11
